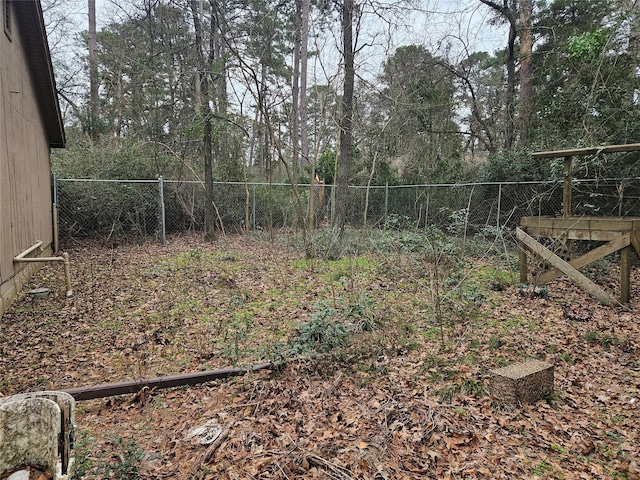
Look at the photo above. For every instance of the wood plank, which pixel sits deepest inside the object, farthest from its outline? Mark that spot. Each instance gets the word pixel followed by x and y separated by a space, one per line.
pixel 633 236
pixel 616 224
pixel 590 257
pixel 631 147
pixel 522 263
pixel 567 269
pixel 599 236
pixel 566 189
pixel 133 386
pixel 625 274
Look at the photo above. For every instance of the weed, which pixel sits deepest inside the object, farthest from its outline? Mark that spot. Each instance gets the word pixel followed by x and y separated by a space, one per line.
pixel 472 387
pixel 495 343
pixel 566 357
pixel 82 451
pixel 503 407
pixel 322 333
pixel 558 448
pixel 605 340
pixel 398 222
pixel 127 460
pixel 469 359
pixel 276 353
pixel 431 333
pixel 552 399
pixel 447 393
pixel 467 387
pixel 462 412
pixel 362 314
pixel 540 469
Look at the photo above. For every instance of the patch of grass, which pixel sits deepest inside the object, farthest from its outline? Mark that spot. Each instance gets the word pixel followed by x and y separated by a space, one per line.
pixel 541 468
pixel 495 279
pixel 495 342
pixel 605 340
pixel 466 387
pixel 566 357
pixel 432 333
pixel 447 393
pixel 472 387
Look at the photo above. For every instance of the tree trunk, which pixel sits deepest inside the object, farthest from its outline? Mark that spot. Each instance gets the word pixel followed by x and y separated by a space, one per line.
pixel 304 134
pixel 295 93
pixel 526 91
pixel 634 50
pixel 346 119
pixel 209 215
pixel 93 73
pixel 508 13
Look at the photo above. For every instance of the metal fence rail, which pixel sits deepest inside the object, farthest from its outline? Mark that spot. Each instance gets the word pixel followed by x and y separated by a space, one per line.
pixel 154 208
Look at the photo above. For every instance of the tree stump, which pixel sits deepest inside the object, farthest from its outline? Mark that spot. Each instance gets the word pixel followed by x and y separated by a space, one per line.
pixel 523 382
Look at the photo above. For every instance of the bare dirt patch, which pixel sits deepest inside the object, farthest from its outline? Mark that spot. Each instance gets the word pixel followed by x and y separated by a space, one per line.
pixel 383 360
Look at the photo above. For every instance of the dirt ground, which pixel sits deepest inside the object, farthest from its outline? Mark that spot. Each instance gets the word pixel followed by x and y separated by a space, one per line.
pixel 381 359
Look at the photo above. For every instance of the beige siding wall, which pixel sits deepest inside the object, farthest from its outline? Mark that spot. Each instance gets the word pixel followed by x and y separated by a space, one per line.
pixel 25 192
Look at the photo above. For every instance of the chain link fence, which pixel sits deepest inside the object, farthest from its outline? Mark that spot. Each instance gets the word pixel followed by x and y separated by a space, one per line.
pixel 155 208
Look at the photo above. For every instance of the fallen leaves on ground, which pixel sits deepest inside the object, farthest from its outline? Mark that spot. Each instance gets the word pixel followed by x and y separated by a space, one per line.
pixel 407 399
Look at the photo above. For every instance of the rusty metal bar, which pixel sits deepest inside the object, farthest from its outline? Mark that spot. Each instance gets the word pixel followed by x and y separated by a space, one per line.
pixel 133 386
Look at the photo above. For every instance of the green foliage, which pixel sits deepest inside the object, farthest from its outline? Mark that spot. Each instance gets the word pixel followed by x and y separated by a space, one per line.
pixel 398 222
pixel 605 340
pixel 322 333
pixel 332 327
pixel 466 387
pixel 326 165
pixel 83 462
pixel 127 460
pixel 587 46
pixel 584 75
pixel 541 468
pixel 514 166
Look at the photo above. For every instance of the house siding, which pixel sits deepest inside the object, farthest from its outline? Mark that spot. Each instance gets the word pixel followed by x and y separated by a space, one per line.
pixel 25 172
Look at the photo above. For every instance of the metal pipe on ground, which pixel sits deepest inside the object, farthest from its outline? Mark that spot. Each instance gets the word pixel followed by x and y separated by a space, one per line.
pixel 22 257
pixel 134 386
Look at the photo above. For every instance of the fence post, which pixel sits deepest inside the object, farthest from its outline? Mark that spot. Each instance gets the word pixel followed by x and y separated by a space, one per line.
pixel 621 193
pixel 386 201
pixel 426 208
pixel 253 208
pixel 55 225
pixel 163 232
pixel 499 206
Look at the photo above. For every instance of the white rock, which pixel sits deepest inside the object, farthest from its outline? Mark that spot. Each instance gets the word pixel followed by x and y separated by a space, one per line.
pixel 19 475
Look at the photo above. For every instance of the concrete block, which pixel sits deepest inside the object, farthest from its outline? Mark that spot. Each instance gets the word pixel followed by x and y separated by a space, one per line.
pixel 523 382
pixel 37 429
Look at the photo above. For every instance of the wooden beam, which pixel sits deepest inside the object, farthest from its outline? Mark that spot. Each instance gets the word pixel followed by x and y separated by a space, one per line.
pixel 567 269
pixel 592 256
pixel 635 242
pixel 133 386
pixel 625 274
pixel 522 263
pixel 566 189
pixel 632 147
